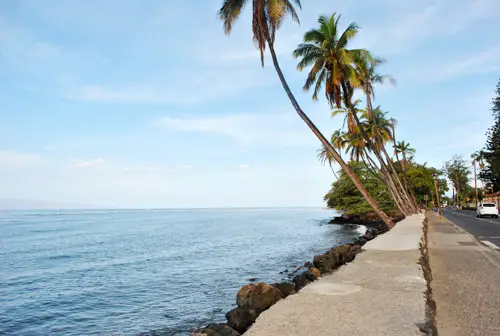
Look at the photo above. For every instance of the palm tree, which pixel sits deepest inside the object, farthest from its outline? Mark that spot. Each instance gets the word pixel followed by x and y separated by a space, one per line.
pixel 406 150
pixel 267 17
pixel 325 156
pixel 333 66
pixel 368 76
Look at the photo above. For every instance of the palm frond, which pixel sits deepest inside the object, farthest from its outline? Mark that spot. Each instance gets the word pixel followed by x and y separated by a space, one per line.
pixel 230 12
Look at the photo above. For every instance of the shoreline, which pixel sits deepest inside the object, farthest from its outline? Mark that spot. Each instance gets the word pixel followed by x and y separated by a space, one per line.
pixel 254 298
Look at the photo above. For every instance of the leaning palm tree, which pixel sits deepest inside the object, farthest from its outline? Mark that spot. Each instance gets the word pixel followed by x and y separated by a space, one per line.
pixel 368 76
pixel 267 17
pixel 324 156
pixel 406 150
pixel 333 65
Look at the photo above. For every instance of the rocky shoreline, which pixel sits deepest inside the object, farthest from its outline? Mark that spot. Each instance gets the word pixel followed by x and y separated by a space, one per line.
pixel 254 298
pixel 369 219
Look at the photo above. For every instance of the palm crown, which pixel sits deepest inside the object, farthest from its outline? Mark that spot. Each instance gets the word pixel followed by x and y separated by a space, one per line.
pixel 267 17
pixel 333 64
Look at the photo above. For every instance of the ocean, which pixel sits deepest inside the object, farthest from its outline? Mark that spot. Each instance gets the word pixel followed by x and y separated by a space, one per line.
pixel 146 272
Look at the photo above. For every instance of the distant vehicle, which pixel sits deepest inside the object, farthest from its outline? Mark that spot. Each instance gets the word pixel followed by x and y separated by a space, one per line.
pixel 487 209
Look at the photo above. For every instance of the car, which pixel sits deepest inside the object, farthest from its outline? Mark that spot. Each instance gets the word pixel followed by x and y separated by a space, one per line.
pixel 487 209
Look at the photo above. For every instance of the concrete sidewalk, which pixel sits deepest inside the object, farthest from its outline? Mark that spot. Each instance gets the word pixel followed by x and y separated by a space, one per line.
pixel 380 293
pixel 466 281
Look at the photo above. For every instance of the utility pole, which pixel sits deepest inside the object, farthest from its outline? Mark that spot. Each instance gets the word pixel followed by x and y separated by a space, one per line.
pixel 437 196
pixel 475 177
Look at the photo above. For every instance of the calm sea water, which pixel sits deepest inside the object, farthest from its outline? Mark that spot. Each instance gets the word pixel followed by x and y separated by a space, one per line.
pixel 158 272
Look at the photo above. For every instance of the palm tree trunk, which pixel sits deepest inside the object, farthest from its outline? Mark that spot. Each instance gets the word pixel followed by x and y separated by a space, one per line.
pixel 403 192
pixel 388 222
pixel 333 171
pixel 383 167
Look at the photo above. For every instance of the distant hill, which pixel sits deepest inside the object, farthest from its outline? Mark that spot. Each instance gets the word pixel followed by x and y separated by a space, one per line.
pixel 25 204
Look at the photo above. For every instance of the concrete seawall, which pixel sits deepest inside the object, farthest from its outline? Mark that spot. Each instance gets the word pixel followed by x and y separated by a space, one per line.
pixel 382 292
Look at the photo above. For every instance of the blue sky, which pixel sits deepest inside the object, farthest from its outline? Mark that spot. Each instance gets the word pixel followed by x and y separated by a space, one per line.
pixel 146 104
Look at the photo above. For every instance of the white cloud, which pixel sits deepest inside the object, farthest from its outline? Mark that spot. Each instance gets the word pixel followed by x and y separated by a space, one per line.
pixel 192 87
pixel 429 20
pixel 482 62
pixel 269 129
pixel 244 166
pixel 12 159
pixel 92 163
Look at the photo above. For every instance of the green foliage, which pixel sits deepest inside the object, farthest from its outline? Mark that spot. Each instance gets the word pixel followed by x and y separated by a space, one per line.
pixel 345 197
pixel 457 171
pixel 421 179
pixel 490 155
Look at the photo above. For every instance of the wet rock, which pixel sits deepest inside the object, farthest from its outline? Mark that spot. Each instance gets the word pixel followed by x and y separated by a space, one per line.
pixel 204 332
pixel 220 330
pixel 326 262
pixel 252 279
pixel 259 295
pixel 286 288
pixel 308 264
pixel 316 273
pixel 301 280
pixel 241 318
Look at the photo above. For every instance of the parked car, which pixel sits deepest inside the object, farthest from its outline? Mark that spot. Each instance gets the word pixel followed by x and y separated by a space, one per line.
pixel 487 209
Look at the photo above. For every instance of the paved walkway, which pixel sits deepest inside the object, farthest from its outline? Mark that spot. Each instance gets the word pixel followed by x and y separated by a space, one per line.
pixel 380 293
pixel 466 281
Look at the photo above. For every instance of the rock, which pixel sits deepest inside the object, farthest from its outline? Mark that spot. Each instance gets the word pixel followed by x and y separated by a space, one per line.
pixel 259 295
pixel 315 272
pixel 241 318
pixel 323 262
pixel 286 288
pixel 204 332
pixel 308 264
pixel 301 280
pixel 369 235
pixel 252 279
pixel 220 330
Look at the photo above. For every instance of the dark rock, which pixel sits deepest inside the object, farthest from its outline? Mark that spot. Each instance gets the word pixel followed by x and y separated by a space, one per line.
pixel 252 279
pixel 241 318
pixel 220 330
pixel 286 288
pixel 259 295
pixel 323 262
pixel 308 264
pixel 204 332
pixel 301 280
pixel 315 272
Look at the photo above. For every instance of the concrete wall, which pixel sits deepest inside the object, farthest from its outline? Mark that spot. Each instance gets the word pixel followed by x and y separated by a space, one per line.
pixel 382 292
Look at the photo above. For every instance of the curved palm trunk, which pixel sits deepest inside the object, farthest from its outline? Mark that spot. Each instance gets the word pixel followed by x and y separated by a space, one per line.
pixel 325 142
pixel 333 171
pixel 409 208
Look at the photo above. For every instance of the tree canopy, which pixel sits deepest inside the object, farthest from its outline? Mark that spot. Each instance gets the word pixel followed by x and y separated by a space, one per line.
pixel 490 155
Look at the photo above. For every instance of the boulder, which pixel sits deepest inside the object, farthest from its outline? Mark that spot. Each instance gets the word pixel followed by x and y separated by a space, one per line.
pixel 241 318
pixel 325 262
pixel 259 295
pixel 315 272
pixel 286 288
pixel 204 332
pixel 220 330
pixel 301 280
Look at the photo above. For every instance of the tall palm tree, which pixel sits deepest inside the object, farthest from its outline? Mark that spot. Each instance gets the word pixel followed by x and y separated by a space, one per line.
pixel 325 156
pixel 368 76
pixel 406 150
pixel 267 17
pixel 333 66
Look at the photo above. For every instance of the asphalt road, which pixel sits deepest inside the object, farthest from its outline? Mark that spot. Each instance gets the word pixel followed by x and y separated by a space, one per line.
pixel 486 230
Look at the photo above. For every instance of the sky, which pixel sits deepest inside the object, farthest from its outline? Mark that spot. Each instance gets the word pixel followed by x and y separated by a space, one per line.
pixel 148 104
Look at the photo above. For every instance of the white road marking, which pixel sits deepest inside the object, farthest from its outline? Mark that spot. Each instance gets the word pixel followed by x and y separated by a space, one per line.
pixel 481 219
pixel 490 244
